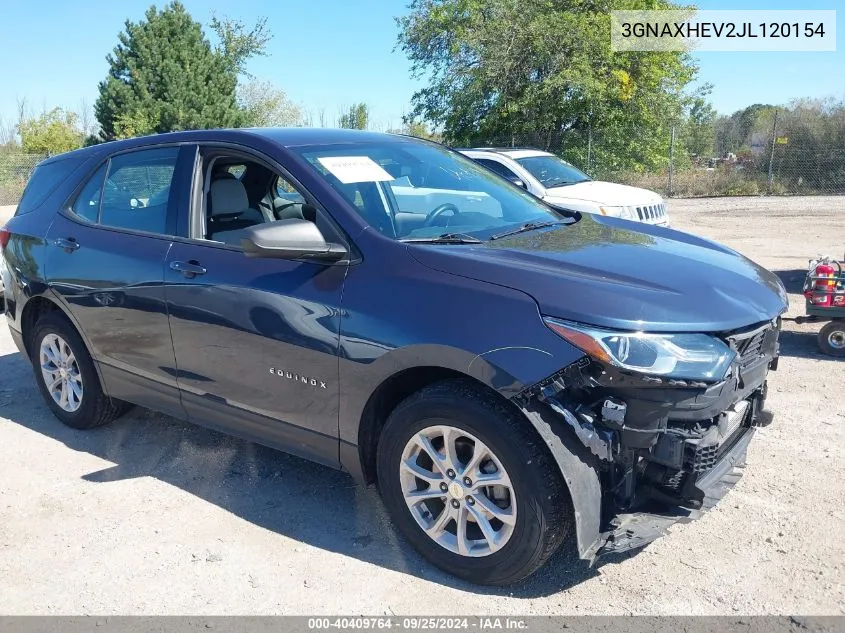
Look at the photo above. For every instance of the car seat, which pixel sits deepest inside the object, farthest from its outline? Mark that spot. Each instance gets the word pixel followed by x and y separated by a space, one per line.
pixel 229 211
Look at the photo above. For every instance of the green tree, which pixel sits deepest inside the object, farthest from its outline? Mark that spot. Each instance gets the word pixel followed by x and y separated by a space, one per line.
pixel 164 75
pixel 699 128
pixel 736 133
pixel 53 132
pixel 264 105
pixel 508 68
pixel 418 129
pixel 238 42
pixel 356 117
pixel 812 158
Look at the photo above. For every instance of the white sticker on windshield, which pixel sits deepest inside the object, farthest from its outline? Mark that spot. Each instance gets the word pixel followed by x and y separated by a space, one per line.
pixel 349 169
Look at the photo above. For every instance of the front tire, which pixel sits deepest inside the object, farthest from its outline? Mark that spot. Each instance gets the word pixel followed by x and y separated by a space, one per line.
pixel 470 484
pixel 66 375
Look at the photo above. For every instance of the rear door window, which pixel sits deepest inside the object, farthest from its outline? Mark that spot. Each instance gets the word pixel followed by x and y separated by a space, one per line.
pixel 87 204
pixel 137 190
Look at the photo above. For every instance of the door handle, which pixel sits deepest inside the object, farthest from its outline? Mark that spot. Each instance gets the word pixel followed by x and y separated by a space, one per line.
pixel 190 269
pixel 69 244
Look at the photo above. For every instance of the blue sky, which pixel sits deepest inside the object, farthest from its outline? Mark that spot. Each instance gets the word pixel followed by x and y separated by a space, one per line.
pixel 328 53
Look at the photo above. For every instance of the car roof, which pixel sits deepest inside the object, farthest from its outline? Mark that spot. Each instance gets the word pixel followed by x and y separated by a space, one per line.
pixel 512 152
pixel 286 137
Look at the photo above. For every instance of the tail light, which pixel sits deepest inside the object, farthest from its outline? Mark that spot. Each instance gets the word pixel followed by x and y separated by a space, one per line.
pixel 5 234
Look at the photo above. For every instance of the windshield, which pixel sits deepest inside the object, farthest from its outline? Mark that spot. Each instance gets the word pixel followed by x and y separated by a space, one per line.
pixel 416 190
pixel 552 171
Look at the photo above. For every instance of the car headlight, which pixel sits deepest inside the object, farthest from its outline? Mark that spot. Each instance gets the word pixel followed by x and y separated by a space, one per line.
pixel 682 356
pixel 626 213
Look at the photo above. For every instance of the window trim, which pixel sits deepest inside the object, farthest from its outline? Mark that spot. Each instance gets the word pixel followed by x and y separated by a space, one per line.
pixel 201 184
pixel 66 210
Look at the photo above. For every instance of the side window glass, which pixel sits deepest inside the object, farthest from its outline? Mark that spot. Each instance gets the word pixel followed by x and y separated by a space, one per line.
pixel 288 202
pixel 87 205
pixel 44 180
pixel 137 190
pixel 227 205
pixel 284 189
pixel 497 167
pixel 236 170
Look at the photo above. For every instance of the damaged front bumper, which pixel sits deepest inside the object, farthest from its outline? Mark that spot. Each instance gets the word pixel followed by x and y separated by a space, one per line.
pixel 641 453
pixel 636 529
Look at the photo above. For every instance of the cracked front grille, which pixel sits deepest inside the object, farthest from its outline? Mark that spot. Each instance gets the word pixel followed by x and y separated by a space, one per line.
pixel 750 350
pixel 751 346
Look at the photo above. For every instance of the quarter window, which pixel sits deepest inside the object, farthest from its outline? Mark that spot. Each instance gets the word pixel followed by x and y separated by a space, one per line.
pixel 44 180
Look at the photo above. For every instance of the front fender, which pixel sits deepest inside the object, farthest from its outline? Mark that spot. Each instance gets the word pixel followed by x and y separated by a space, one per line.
pixel 399 314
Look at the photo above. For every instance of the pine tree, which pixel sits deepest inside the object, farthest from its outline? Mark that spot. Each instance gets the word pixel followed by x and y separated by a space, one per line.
pixel 163 76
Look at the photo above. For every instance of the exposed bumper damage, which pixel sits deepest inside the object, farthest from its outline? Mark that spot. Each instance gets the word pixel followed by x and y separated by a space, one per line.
pixel 641 453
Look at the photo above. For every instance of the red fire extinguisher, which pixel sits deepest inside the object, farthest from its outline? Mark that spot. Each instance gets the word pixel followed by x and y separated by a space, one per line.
pixel 821 291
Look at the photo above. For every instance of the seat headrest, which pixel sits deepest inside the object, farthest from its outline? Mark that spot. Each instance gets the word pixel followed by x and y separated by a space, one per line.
pixel 228 195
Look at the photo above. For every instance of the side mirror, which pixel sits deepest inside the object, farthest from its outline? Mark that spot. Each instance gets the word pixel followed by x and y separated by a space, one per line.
pixel 518 182
pixel 290 239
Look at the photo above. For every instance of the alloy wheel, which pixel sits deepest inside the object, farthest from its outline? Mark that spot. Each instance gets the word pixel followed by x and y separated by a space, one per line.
pixel 458 491
pixel 60 372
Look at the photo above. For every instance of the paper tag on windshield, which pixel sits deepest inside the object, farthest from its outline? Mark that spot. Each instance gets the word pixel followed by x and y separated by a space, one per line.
pixel 349 169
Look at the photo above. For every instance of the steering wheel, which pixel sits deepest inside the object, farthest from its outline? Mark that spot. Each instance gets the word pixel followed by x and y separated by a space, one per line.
pixel 440 210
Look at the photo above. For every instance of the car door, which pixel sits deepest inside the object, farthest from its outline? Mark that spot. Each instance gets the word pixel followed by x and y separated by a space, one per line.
pixel 106 263
pixel 256 340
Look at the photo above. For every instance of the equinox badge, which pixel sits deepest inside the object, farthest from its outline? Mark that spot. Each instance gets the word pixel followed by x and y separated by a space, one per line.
pixel 306 380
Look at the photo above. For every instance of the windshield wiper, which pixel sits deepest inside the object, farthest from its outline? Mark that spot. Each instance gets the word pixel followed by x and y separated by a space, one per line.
pixel 563 183
pixel 445 238
pixel 528 226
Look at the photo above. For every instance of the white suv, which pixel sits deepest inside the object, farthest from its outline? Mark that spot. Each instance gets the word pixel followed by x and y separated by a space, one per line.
pixel 561 185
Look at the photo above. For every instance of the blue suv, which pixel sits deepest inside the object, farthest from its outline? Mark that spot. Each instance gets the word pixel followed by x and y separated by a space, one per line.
pixel 513 377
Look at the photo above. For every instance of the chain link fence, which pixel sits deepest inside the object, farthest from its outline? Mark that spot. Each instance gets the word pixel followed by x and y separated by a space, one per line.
pixel 15 170
pixel 785 152
pixel 759 151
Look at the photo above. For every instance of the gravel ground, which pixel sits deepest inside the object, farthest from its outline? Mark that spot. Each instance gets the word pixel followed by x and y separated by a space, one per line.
pixel 153 516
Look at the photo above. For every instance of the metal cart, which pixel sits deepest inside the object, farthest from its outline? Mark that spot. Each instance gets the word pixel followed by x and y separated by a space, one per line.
pixel 824 291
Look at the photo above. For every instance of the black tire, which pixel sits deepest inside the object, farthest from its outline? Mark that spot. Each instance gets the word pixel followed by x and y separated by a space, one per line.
pixel 96 408
pixel 833 331
pixel 544 515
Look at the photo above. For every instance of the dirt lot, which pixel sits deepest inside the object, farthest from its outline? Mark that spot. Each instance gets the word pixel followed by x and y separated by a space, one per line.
pixel 152 516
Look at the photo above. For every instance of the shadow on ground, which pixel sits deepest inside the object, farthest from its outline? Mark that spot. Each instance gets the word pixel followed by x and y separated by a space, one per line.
pixel 792 280
pixel 301 500
pixel 801 345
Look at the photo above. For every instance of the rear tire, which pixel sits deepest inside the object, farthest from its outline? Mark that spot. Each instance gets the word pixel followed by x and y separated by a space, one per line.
pixel 832 339
pixel 533 505
pixel 66 375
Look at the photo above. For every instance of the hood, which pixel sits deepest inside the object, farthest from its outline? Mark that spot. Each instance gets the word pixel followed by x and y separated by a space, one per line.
pixel 608 193
pixel 619 274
